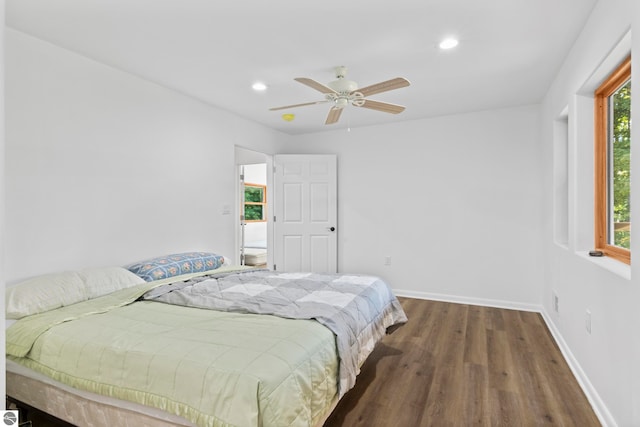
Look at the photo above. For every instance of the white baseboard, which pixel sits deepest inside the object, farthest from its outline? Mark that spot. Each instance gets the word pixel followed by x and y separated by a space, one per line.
pixel 600 409
pixel 468 300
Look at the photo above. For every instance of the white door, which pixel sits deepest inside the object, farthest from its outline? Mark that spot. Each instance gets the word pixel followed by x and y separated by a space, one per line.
pixel 305 217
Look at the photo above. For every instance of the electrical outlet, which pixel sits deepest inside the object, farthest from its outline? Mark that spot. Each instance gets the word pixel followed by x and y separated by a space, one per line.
pixel 555 302
pixel 387 260
pixel 587 321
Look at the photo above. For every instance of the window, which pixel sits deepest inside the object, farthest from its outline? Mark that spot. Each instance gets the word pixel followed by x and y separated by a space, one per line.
pixel 255 202
pixel 612 166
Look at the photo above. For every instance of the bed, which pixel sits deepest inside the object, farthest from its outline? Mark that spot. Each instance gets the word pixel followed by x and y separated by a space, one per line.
pixel 255 253
pixel 255 256
pixel 192 345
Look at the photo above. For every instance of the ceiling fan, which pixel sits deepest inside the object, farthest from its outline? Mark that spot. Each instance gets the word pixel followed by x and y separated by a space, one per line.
pixel 342 92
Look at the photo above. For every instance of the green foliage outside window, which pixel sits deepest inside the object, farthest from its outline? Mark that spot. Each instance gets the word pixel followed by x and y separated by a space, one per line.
pixel 621 166
pixel 254 202
pixel 253 194
pixel 253 213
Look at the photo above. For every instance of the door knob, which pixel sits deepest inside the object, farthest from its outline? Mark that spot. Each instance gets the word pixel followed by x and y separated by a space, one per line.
pixel 331 228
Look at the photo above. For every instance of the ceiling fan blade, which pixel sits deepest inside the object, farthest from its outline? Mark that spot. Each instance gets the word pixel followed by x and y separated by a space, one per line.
pixel 315 85
pixel 334 115
pixel 297 105
pixel 383 106
pixel 392 84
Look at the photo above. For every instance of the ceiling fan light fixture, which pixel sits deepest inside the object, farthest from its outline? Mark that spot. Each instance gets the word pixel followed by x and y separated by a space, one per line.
pixel 341 102
pixel 288 117
pixel 259 87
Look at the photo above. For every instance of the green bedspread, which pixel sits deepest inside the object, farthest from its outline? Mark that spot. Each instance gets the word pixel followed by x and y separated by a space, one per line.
pixel 213 368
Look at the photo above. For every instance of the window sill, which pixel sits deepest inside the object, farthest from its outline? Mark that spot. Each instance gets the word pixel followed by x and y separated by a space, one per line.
pixel 616 267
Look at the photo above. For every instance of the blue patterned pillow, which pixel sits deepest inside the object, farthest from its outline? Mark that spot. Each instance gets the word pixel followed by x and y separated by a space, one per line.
pixel 175 265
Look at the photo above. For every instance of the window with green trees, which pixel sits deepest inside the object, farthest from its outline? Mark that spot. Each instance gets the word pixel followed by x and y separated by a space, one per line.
pixel 255 202
pixel 619 171
pixel 612 164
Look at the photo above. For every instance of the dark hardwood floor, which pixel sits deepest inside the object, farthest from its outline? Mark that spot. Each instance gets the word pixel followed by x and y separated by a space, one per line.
pixel 462 365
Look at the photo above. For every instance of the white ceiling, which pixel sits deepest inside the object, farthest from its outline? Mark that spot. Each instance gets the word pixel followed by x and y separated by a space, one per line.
pixel 214 50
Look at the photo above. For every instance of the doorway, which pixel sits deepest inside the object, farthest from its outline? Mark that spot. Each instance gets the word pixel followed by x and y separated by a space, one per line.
pixel 303 189
pixel 254 220
pixel 254 202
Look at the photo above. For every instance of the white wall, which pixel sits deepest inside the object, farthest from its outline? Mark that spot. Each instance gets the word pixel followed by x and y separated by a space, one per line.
pixel 454 201
pixel 104 168
pixel 606 360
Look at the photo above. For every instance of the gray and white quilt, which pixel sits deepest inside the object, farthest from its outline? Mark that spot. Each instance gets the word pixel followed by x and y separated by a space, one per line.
pixel 358 309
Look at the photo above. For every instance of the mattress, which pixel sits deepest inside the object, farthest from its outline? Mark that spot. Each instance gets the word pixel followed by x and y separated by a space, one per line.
pixel 255 256
pixel 80 407
pixel 83 408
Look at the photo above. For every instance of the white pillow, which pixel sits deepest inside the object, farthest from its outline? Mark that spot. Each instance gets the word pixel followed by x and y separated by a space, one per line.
pixel 104 280
pixel 44 293
pixel 51 291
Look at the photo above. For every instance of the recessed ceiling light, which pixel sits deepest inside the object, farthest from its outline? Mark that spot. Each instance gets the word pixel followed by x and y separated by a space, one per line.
pixel 259 86
pixel 448 43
